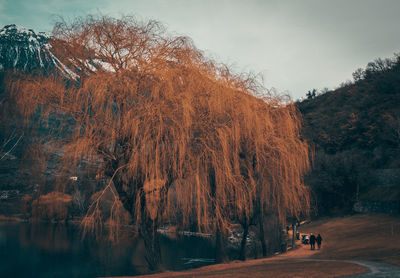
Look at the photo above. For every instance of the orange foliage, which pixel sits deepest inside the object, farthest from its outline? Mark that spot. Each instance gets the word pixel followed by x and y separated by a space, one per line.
pixel 160 115
pixel 52 206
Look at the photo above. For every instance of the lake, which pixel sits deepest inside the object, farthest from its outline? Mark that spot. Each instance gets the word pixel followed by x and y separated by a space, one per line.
pixel 58 250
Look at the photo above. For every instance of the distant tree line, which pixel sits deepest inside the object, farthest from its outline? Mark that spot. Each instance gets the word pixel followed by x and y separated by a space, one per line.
pixel 372 69
pixel 379 65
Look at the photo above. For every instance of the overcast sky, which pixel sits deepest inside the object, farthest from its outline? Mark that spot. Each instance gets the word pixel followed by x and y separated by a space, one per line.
pixel 297 45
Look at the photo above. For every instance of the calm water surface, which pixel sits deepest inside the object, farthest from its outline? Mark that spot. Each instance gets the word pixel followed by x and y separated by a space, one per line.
pixel 58 250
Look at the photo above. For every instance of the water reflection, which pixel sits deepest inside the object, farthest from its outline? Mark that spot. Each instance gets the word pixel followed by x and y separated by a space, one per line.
pixel 58 250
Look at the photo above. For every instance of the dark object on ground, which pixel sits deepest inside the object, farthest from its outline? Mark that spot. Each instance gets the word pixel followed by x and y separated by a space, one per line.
pixel 319 241
pixel 283 246
pixel 312 241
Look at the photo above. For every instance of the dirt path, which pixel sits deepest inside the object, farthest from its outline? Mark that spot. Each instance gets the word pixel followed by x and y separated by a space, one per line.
pixel 377 269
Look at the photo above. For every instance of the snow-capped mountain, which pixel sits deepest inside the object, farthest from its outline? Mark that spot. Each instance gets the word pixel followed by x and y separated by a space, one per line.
pixel 26 50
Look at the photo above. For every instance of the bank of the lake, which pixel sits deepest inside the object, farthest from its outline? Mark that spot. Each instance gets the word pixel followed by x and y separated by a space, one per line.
pixel 59 250
pixel 352 245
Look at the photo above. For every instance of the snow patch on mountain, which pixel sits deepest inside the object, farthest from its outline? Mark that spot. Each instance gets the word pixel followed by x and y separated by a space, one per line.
pixel 27 50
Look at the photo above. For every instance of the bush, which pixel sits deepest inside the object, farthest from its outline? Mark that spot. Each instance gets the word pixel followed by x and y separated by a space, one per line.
pixel 54 206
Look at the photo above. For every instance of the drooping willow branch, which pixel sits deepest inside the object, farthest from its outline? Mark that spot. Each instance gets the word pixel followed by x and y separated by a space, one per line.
pixel 171 117
pixel 93 218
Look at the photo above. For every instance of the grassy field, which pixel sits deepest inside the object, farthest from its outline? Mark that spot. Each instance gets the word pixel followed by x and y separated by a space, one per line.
pixel 373 237
pixel 267 268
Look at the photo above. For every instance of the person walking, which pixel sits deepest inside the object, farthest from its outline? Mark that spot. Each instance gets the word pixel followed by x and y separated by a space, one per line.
pixel 312 241
pixel 319 241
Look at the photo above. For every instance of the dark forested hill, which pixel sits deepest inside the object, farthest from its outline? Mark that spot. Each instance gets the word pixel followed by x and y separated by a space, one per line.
pixel 355 131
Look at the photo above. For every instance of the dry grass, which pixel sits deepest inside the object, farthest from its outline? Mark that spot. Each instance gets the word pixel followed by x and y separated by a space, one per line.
pixel 360 237
pixel 5 218
pixel 263 268
pixel 55 197
pixel 52 206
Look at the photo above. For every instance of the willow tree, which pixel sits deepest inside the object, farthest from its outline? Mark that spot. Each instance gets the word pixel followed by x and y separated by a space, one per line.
pixel 158 115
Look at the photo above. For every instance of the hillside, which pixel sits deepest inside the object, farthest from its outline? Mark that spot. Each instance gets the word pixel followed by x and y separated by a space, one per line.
pixel 355 131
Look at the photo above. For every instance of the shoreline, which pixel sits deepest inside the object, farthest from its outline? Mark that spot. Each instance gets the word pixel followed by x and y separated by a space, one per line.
pixel 289 264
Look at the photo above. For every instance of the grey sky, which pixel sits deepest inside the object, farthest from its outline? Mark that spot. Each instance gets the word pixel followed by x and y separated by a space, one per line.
pixel 297 45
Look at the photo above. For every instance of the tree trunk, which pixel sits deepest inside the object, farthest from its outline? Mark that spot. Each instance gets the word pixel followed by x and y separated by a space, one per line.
pixel 293 234
pixel 219 234
pixel 148 231
pixel 261 235
pixel 242 254
pixel 220 255
pixel 147 226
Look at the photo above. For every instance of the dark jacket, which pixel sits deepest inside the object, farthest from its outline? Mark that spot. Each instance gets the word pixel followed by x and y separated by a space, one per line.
pixel 312 239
